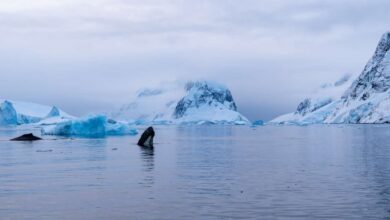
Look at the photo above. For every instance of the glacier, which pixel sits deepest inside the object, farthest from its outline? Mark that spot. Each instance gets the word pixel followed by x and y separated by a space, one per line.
pixel 194 103
pixel 97 126
pixel 365 100
pixel 18 113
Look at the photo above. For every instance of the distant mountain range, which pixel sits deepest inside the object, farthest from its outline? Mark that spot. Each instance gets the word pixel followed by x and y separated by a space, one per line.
pixel 363 100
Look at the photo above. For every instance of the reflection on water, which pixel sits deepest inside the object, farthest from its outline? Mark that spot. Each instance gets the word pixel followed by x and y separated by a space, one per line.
pixel 147 157
pixel 373 163
pixel 206 167
pixel 206 172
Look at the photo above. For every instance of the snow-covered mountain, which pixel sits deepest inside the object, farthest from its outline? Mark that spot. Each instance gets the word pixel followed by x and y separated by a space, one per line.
pixel 200 102
pixel 17 113
pixel 367 100
pixel 322 98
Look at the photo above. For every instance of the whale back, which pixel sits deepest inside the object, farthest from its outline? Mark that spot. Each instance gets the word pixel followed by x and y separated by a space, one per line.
pixel 27 137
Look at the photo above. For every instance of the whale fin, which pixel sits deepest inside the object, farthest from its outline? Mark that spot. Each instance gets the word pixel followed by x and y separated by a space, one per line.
pixel 147 137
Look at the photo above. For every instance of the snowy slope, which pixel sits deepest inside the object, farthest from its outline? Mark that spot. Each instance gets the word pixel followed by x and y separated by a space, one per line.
pixel 27 112
pixel 200 102
pixel 367 100
pixel 151 105
pixel 321 103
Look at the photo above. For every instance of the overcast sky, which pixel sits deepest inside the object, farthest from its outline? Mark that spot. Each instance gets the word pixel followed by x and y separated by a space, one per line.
pixel 92 55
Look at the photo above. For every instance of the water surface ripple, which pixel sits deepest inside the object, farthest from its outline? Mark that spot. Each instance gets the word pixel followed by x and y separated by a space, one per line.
pixel 207 172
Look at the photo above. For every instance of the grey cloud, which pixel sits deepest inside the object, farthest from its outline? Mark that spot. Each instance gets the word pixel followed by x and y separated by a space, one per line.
pixel 89 55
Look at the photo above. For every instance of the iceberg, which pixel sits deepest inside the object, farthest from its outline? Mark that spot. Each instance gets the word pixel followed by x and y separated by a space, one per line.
pixel 258 123
pixel 27 113
pixel 8 115
pixel 27 119
pixel 93 127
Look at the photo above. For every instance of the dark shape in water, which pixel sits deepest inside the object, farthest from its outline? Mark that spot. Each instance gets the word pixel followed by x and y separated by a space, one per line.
pixel 146 139
pixel 27 137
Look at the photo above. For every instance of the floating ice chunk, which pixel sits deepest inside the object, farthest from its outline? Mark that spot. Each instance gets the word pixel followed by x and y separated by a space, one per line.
pixel 94 126
pixel 258 123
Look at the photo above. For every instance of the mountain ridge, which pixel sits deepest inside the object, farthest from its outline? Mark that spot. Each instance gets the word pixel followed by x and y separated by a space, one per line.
pixel 366 100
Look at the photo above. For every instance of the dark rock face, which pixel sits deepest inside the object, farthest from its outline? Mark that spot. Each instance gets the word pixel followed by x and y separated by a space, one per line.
pixel 149 92
pixel 27 137
pixel 201 93
pixel 303 107
pixel 147 137
pixel 308 106
pixel 343 80
pixel 375 77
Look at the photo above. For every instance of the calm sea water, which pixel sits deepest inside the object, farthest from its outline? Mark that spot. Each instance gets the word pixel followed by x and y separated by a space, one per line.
pixel 207 172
